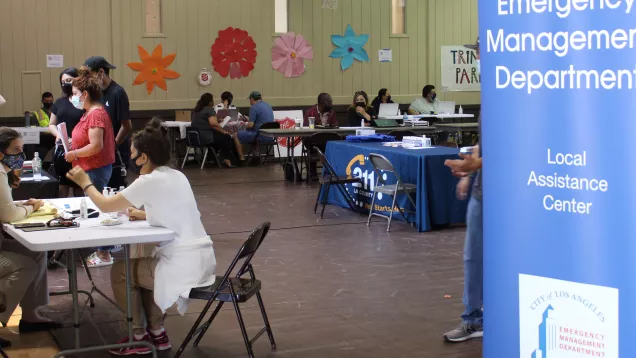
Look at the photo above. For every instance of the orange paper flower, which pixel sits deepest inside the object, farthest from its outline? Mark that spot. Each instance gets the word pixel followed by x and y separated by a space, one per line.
pixel 153 69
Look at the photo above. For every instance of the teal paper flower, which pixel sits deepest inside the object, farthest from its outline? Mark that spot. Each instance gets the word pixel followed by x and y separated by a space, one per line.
pixel 349 47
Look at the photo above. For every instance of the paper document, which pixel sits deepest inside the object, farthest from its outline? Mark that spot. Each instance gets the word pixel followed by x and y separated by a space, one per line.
pixel 64 136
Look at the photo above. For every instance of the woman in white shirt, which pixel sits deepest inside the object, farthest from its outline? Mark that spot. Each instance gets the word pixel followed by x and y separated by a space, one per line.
pixel 176 266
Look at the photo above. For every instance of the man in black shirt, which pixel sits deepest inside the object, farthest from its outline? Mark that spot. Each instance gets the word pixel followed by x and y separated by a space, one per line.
pixel 115 101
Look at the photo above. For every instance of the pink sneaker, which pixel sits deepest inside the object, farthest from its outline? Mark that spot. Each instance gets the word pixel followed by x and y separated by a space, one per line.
pixel 131 351
pixel 161 342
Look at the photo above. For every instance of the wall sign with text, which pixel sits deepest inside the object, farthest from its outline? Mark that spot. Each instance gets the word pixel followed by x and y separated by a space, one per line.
pixel 459 69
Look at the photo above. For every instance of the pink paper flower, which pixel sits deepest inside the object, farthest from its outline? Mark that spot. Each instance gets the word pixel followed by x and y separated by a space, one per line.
pixel 289 54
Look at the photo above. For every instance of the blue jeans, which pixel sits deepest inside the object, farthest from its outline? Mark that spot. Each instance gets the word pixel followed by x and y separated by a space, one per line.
pixel 99 178
pixel 247 137
pixel 474 263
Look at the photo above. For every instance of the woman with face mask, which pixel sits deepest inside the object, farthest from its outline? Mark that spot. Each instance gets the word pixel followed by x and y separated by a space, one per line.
pixel 360 109
pixel 175 267
pixel 93 147
pixel 384 96
pixel 64 112
pixel 23 278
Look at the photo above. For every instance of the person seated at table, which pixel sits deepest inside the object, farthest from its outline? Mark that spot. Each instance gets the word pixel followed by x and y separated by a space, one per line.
pixel 178 265
pixel 360 109
pixel 384 96
pixel 323 112
pixel 64 112
pixel 211 132
pixel 230 125
pixel 427 104
pixel 23 278
pixel 260 112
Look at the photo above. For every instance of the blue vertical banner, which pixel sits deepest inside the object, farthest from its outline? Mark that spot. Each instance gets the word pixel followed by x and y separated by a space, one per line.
pixel 558 129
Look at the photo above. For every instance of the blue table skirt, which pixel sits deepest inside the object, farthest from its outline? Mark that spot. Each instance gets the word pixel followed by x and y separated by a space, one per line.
pixel 435 198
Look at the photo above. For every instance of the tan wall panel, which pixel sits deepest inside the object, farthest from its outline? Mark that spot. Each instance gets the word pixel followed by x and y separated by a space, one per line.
pixel 113 28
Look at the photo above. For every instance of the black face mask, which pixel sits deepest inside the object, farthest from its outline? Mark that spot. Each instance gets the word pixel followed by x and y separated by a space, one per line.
pixel 433 96
pixel 327 108
pixel 67 89
pixel 361 104
pixel 133 165
pixel 47 106
pixel 388 98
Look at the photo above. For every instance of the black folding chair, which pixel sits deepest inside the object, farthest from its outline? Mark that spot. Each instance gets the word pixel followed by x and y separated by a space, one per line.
pixel 193 141
pixel 233 289
pixel 382 165
pixel 399 135
pixel 317 140
pixel 329 178
pixel 267 144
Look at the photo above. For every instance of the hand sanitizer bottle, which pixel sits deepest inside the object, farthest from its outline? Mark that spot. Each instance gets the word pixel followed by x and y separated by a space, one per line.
pixel 362 123
pixel 461 110
pixel 83 209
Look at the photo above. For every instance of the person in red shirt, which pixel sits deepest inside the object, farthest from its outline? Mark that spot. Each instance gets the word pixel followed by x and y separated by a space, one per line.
pixel 93 146
pixel 322 112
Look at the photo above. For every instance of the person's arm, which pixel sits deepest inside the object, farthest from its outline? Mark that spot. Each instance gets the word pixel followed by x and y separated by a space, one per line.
pixel 214 123
pixel 10 211
pixel 413 111
pixel 123 113
pixel 333 120
pixel 95 145
pixel 53 126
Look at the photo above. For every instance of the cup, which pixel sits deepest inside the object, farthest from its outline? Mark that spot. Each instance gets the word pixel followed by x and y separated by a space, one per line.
pixel 312 121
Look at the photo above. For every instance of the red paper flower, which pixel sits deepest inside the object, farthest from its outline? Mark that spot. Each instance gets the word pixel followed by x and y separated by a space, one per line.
pixel 233 53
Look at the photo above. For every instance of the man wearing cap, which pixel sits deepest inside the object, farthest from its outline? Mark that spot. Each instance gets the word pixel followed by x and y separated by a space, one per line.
pixel 115 101
pixel 466 168
pixel 260 113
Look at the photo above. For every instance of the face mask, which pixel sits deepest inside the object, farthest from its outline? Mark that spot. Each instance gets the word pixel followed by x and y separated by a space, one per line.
pixel 388 98
pixel 14 161
pixel 478 66
pixel 47 106
pixel 433 96
pixel 67 89
pixel 135 167
pixel 327 108
pixel 75 100
pixel 361 104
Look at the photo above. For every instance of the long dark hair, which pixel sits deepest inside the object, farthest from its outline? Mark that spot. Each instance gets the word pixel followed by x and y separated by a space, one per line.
pixel 381 93
pixel 71 71
pixel 205 100
pixel 153 141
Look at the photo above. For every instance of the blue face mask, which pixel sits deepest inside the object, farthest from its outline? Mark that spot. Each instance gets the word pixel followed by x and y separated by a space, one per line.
pixel 75 101
pixel 478 66
pixel 14 161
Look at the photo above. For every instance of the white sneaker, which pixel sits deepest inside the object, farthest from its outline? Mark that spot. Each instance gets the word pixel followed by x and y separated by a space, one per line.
pixel 94 261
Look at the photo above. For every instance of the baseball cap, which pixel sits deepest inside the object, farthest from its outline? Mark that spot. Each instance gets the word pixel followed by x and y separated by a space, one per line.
pixel 98 62
pixel 475 46
pixel 255 95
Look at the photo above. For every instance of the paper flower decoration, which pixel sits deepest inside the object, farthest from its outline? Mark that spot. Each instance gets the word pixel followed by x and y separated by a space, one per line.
pixel 349 47
pixel 233 53
pixel 289 54
pixel 153 69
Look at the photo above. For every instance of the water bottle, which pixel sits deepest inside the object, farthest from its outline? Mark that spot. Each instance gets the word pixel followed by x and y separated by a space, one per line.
pixel 83 209
pixel 37 167
pixel 461 110
pixel 406 116
pixel 27 119
pixel 362 123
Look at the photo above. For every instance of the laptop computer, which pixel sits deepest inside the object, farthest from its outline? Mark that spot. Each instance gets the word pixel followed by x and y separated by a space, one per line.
pixel 389 109
pixel 446 107
pixel 384 123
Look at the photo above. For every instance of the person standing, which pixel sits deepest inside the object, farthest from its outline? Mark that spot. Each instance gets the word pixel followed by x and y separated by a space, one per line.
pixel 466 168
pixel 115 101
pixel 42 118
pixel 64 112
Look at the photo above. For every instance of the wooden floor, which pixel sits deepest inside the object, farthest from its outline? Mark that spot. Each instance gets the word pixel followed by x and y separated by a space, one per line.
pixel 332 287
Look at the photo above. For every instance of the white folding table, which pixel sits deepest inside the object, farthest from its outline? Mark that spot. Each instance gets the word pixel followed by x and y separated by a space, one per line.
pixel 90 234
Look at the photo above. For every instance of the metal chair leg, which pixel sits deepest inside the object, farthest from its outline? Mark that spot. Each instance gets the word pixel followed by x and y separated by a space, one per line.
pixel 195 327
pixel 185 158
pixel 388 227
pixel 318 198
pixel 371 208
pixel 3 354
pixel 217 158
pixel 324 201
pixel 267 326
pixel 246 338
pixel 205 157
pixel 207 324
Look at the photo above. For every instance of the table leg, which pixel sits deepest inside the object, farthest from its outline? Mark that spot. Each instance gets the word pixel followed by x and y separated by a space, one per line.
pixel 73 284
pixel 129 317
